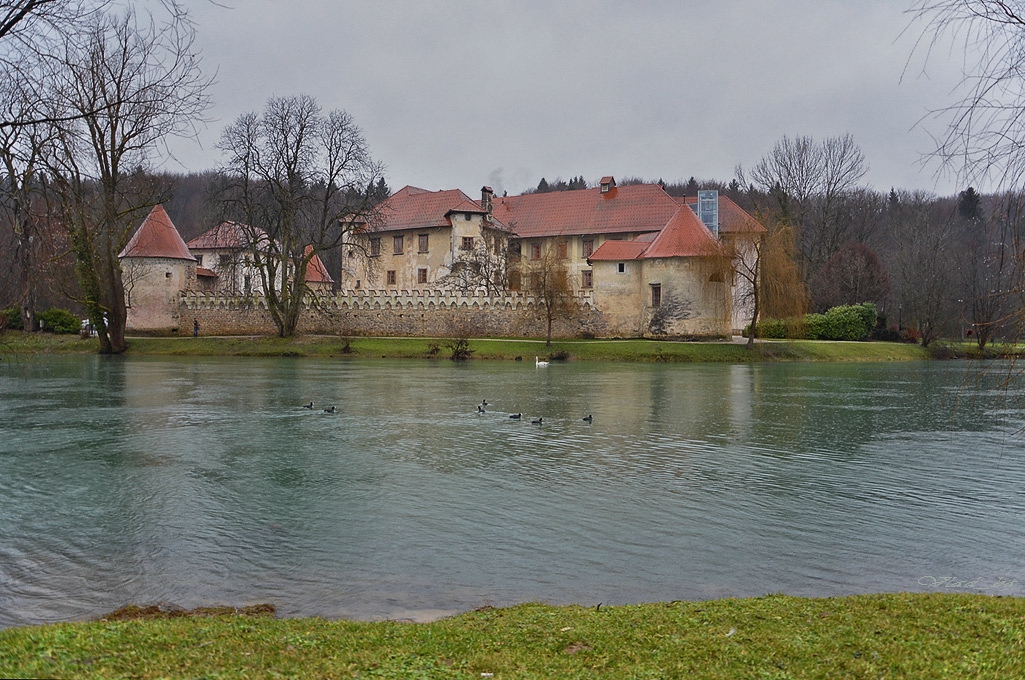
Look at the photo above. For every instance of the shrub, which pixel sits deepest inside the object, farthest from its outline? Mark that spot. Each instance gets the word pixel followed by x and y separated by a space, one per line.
pixel 796 327
pixel 768 328
pixel 460 349
pixel 11 318
pixel 59 321
pixel 869 315
pixel 848 322
pixel 814 326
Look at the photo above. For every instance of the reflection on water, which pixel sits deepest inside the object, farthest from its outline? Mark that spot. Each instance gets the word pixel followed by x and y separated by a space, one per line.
pixel 204 481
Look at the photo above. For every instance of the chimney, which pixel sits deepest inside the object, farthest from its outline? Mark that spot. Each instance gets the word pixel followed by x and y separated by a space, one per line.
pixel 487 194
pixel 608 183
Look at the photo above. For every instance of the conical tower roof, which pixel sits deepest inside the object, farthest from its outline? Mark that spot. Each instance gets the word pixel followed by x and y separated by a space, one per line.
pixel 157 237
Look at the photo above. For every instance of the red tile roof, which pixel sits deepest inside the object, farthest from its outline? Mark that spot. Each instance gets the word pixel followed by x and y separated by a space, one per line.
pixel 227 236
pixel 619 250
pixel 622 210
pixel 467 206
pixel 732 218
pixel 683 236
pixel 209 273
pixel 414 208
pixel 157 237
pixel 316 272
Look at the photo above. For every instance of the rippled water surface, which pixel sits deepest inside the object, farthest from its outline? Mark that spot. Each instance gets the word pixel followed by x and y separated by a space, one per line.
pixel 204 482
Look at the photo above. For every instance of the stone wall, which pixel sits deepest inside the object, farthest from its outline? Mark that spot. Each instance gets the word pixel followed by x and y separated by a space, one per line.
pixel 391 313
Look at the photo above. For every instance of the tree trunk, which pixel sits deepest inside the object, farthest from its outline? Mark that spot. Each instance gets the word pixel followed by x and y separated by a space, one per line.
pixel 754 317
pixel 27 278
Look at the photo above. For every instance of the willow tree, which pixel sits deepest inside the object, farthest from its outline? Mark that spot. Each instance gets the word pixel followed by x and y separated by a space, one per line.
pixel 128 83
pixel 767 279
pixel 300 182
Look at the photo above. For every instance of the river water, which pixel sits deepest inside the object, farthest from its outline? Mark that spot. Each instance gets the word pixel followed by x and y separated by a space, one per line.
pixel 204 481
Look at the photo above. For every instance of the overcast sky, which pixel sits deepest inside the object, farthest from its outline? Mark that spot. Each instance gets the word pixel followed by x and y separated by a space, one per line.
pixel 461 94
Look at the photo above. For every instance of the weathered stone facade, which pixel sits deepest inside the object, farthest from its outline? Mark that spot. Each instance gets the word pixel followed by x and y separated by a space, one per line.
pixel 675 297
pixel 391 313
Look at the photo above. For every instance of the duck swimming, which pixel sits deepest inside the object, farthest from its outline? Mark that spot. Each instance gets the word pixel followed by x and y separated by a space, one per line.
pixel 329 409
pixel 309 405
pixel 516 416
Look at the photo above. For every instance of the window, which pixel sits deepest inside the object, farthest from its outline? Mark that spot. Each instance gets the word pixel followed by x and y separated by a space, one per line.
pixel 391 277
pixel 358 284
pixel 656 294
pixel 224 261
pixel 561 249
pixel 586 248
pixel 199 260
pixel 621 267
pixel 421 275
pixel 467 243
pixel 515 250
pixel 514 280
pixel 424 241
pixel 375 246
pixel 587 279
pixel 398 245
pixel 535 251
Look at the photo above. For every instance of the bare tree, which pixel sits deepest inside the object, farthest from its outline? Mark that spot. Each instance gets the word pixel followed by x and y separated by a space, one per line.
pixel 484 268
pixel 304 179
pixel 983 133
pixel 548 281
pixel 22 200
pixel 921 267
pixel 33 35
pixel 990 271
pixel 813 185
pixel 120 92
pixel 852 276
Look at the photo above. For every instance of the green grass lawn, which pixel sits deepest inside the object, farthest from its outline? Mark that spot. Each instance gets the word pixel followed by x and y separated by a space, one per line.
pixel 490 348
pixel 939 635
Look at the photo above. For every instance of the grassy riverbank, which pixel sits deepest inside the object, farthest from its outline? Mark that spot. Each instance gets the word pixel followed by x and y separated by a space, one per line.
pixel 894 636
pixel 493 348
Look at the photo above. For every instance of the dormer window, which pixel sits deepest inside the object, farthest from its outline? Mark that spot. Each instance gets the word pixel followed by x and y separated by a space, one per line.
pixel 607 184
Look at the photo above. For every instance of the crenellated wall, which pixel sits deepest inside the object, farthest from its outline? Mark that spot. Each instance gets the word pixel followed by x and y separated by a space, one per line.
pixel 434 313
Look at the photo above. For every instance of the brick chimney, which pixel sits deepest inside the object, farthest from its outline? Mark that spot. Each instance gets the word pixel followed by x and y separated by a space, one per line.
pixel 487 195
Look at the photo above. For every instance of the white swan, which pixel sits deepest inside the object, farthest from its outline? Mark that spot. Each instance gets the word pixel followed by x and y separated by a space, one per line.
pixel 538 362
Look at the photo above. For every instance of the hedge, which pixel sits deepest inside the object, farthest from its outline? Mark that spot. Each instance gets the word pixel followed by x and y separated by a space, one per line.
pixel 846 322
pixel 56 320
